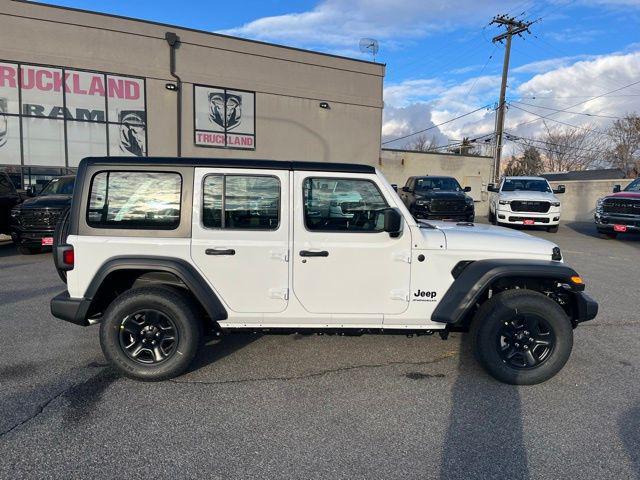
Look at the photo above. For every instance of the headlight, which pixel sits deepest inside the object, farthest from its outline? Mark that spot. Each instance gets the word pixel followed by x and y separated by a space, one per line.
pixel 504 202
pixel 469 201
pixel 599 205
pixel 423 202
pixel 15 211
pixel 555 204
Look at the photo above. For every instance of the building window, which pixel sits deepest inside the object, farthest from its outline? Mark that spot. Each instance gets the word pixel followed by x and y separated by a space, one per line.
pixel 139 200
pixel 343 205
pixel 224 118
pixel 55 116
pixel 249 202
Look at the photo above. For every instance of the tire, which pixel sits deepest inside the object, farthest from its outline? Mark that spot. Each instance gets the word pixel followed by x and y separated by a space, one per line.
pixel 169 307
pixel 492 217
pixel 60 238
pixel 553 229
pixel 503 313
pixel 29 250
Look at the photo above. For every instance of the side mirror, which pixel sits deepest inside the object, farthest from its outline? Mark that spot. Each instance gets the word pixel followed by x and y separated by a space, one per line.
pixel 406 189
pixel 492 188
pixel 467 189
pixel 393 222
pixel 617 188
pixel 31 191
pixel 560 189
pixel 394 186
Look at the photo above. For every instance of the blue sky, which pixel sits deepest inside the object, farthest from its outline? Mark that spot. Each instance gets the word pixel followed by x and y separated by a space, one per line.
pixel 440 60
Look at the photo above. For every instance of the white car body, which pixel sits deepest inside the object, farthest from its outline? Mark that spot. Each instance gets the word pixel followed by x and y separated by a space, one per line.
pixel 370 280
pixel 526 210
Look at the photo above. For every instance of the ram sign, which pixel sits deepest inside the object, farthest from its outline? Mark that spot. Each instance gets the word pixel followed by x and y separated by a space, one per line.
pixel 55 116
pixel 224 118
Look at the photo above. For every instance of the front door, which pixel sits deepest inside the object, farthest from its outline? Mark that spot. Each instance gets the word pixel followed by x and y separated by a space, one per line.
pixel 240 236
pixel 344 263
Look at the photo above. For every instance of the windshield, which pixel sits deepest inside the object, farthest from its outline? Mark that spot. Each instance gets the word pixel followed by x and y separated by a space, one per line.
pixel 633 186
pixel 59 186
pixel 446 184
pixel 512 185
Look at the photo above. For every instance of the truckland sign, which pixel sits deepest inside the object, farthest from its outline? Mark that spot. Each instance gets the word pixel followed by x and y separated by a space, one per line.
pixel 224 118
pixel 56 116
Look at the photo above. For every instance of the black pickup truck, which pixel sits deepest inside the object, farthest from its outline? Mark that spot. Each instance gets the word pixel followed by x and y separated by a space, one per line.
pixel 34 221
pixel 9 198
pixel 437 198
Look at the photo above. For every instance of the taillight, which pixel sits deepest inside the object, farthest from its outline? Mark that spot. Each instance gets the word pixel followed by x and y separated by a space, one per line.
pixel 68 257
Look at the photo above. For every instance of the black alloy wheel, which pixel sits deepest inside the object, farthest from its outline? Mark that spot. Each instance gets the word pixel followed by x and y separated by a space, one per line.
pixel 525 342
pixel 148 336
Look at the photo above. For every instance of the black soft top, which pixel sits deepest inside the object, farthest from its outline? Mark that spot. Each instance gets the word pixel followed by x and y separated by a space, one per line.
pixel 229 163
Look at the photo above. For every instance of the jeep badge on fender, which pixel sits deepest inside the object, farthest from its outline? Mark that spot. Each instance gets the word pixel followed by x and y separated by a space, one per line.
pixel 160 251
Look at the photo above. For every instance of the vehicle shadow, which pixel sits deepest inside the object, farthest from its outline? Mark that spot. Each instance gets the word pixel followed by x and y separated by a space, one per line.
pixel 484 438
pixel 589 230
pixel 629 425
pixel 215 349
pixel 8 249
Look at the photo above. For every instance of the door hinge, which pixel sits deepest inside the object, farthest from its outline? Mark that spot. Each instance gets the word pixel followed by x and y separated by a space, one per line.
pixel 402 256
pixel 279 293
pixel 400 295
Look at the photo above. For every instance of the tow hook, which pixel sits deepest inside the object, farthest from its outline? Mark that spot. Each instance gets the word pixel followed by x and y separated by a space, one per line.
pixel 444 334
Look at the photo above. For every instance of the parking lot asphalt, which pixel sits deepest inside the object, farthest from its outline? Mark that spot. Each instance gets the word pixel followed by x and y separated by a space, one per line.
pixel 321 406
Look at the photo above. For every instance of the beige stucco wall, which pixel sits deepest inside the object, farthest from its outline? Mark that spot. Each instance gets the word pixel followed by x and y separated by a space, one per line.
pixel 289 83
pixel 579 201
pixel 473 171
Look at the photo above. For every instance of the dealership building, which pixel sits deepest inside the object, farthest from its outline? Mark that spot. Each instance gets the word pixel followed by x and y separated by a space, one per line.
pixel 75 83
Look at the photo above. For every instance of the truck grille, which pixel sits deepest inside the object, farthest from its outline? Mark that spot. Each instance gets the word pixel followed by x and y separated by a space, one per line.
pixel 527 206
pixel 447 206
pixel 40 218
pixel 624 206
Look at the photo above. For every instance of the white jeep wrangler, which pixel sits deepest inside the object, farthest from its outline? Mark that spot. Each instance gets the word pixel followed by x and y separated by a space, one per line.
pixel 160 251
pixel 525 201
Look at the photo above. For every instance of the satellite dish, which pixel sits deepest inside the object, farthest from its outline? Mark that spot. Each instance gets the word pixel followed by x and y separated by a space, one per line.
pixel 369 45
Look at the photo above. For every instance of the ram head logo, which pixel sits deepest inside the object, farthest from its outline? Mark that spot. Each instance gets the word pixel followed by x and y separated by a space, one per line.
pixel 225 110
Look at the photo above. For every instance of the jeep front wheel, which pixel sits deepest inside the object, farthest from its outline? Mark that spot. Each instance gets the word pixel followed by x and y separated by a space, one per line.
pixel 151 333
pixel 522 337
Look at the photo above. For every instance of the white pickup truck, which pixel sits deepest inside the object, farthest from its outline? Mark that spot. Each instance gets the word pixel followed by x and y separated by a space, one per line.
pixel 160 251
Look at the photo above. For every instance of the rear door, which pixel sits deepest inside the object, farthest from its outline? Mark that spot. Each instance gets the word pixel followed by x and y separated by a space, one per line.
pixel 240 236
pixel 344 263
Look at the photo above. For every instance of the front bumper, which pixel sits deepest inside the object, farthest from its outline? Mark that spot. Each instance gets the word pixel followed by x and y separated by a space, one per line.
pixel 519 218
pixel 586 307
pixel 29 238
pixel 69 309
pixel 605 222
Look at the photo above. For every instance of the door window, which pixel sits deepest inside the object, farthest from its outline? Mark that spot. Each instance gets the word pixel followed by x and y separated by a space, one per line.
pixel 249 202
pixel 343 205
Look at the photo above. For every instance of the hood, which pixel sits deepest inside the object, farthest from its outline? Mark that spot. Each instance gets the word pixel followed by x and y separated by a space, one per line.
pixel 428 194
pixel 487 238
pixel 47 201
pixel 635 195
pixel 529 196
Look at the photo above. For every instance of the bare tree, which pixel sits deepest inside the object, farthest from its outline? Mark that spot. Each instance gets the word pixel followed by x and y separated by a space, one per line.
pixel 422 144
pixel 625 150
pixel 570 149
pixel 528 163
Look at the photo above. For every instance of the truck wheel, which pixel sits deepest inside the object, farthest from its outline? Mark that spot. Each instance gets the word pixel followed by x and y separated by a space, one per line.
pixel 553 229
pixel 29 250
pixel 151 333
pixel 521 337
pixel 492 217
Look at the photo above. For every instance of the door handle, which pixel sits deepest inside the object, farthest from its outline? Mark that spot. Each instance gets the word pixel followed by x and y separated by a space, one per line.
pixel 309 253
pixel 220 251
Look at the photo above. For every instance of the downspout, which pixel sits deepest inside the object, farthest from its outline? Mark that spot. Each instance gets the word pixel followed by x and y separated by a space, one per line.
pixel 173 40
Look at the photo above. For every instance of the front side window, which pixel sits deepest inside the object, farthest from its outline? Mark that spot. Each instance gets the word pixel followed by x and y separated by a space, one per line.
pixel 241 202
pixel 518 184
pixel 141 200
pixel 343 205
pixel 59 186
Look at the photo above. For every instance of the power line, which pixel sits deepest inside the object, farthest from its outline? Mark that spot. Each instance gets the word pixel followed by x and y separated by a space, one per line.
pixel 559 121
pixel 514 138
pixel 564 111
pixel 436 126
pixel 481 71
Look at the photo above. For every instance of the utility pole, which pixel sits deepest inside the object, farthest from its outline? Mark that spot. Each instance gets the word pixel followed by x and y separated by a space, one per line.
pixel 514 27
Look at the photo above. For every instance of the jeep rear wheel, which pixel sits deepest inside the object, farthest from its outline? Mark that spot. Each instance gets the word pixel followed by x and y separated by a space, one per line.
pixel 151 333
pixel 521 337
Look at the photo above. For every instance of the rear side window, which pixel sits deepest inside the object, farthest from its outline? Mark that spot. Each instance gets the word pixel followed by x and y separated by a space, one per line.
pixel 138 200
pixel 343 205
pixel 241 202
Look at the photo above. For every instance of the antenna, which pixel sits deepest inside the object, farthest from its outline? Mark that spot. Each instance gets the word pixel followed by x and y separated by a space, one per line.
pixel 369 45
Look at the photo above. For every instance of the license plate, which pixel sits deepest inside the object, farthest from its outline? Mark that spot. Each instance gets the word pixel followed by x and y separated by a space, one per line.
pixel 47 241
pixel 529 222
pixel 619 228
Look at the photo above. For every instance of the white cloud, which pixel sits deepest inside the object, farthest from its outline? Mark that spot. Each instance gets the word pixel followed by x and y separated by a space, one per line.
pixel 543 66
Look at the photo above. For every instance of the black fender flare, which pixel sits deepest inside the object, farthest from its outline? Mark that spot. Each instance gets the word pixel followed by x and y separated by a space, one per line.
pixel 477 277
pixel 178 267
